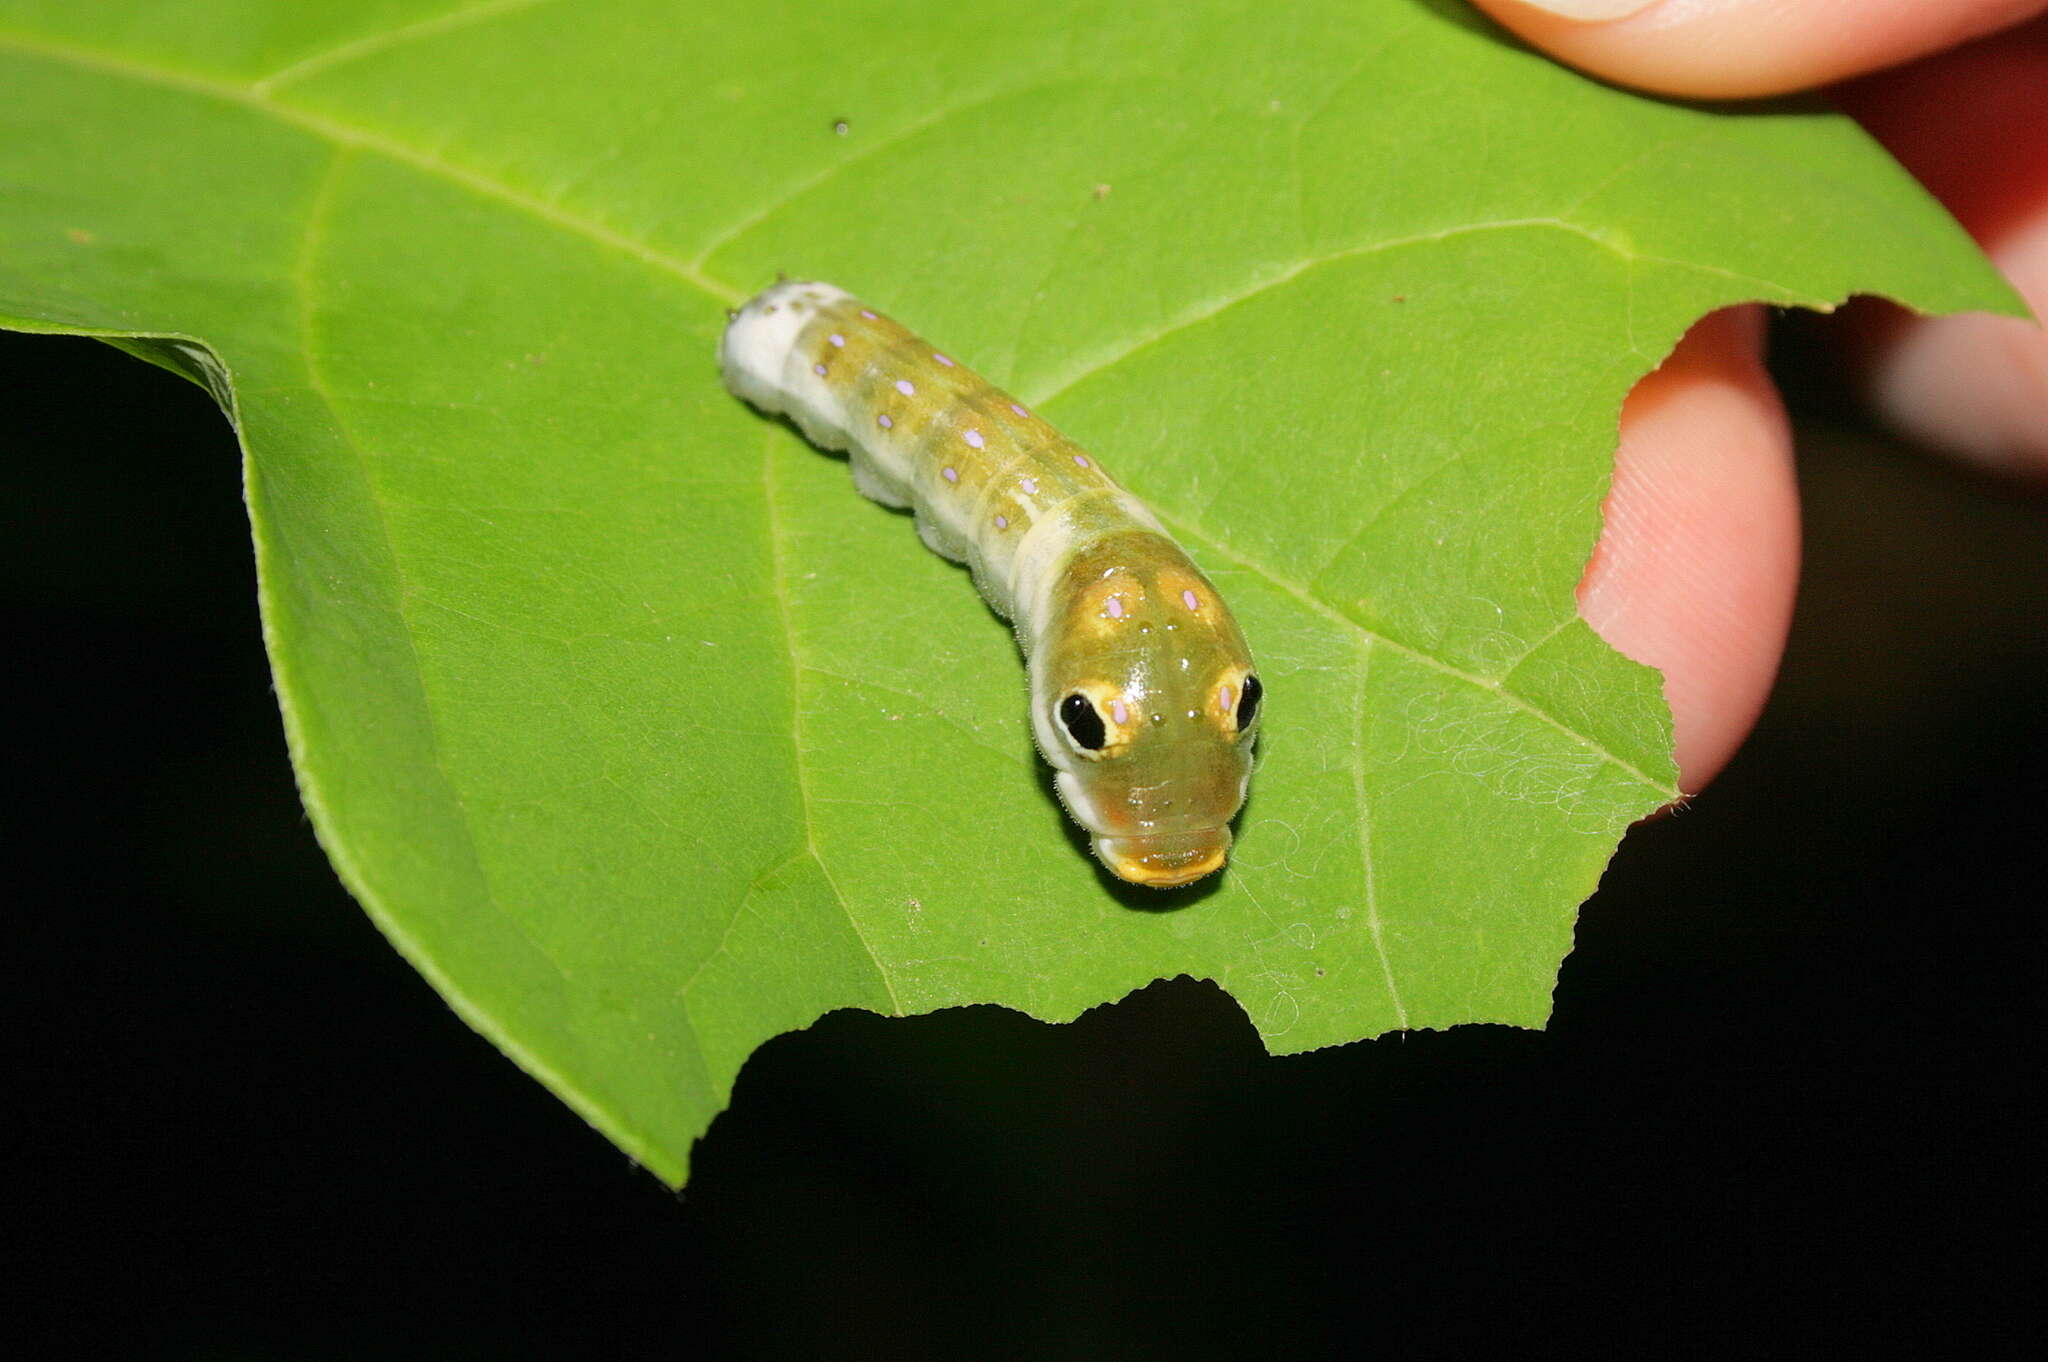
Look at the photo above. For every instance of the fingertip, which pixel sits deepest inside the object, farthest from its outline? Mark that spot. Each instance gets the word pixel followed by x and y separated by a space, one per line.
pixel 1735 49
pixel 1699 551
pixel 1972 385
pixel 1973 127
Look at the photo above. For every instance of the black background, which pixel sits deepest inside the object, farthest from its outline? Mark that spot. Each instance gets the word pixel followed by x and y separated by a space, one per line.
pixel 1782 1104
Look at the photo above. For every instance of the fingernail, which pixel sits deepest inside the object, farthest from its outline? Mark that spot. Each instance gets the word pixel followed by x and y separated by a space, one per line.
pixel 1590 11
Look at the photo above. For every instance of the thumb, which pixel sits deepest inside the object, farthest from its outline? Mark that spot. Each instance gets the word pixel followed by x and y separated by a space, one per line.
pixel 1727 49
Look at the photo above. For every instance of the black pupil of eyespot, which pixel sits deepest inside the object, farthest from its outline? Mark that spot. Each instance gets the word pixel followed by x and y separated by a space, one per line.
pixel 1083 723
pixel 1248 702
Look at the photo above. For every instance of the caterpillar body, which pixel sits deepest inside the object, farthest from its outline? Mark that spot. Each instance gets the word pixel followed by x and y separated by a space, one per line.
pixel 1143 697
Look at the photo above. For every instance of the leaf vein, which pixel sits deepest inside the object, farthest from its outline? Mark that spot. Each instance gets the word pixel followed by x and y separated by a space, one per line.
pixel 351 136
pixel 443 981
pixel 1307 597
pixel 1370 875
pixel 1201 311
pixel 370 44
pixel 790 194
pixel 777 536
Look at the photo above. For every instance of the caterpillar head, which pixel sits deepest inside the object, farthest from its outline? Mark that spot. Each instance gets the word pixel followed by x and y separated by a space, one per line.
pixel 1146 702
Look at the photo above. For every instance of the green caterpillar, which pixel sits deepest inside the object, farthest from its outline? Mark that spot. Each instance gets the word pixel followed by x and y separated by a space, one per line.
pixel 1143 696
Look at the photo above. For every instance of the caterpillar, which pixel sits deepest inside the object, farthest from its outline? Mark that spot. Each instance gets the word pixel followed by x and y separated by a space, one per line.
pixel 1143 696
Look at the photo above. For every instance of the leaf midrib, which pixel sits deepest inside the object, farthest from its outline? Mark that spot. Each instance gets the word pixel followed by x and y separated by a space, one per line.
pixel 371 44
pixel 360 138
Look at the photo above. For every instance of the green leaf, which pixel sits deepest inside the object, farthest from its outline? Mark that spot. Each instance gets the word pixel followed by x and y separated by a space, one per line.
pixel 646 739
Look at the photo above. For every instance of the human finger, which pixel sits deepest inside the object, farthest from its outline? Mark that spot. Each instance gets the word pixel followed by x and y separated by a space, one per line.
pixel 1972 125
pixel 1699 552
pixel 1727 49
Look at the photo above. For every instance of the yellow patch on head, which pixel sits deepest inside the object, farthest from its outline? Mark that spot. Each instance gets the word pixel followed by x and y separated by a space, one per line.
pixel 1121 715
pixel 1224 696
pixel 1185 591
pixel 1112 602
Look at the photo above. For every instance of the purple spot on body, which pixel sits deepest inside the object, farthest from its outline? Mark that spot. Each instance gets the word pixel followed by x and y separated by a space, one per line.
pixel 885 421
pixel 836 338
pixel 1187 598
pixel 1030 486
pixel 869 315
pixel 1002 522
pixel 973 437
pixel 818 369
pixel 1081 459
pixel 1019 410
pixel 950 474
pixel 1118 712
pixel 906 387
pixel 1116 607
pixel 942 359
pixel 1223 694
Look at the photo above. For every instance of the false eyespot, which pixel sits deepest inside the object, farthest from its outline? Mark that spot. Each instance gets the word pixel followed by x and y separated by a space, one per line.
pixel 1143 696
